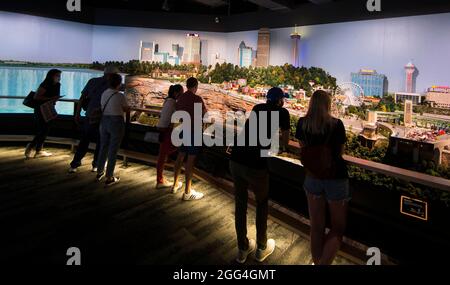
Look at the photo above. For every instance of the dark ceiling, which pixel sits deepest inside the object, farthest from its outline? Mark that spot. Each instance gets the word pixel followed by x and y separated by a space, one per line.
pixel 216 7
pixel 208 7
pixel 221 15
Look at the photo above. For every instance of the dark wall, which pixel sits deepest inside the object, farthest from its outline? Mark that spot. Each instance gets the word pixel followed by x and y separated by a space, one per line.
pixel 306 14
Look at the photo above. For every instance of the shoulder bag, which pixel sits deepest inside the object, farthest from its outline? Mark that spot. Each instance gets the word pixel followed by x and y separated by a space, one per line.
pixel 96 115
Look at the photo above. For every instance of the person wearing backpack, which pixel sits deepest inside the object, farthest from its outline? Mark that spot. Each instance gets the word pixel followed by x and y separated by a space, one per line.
pixel 322 138
pixel 49 90
pixel 90 102
pixel 112 128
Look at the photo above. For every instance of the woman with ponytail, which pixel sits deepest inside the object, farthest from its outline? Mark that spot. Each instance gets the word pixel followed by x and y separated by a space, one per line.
pixel 165 127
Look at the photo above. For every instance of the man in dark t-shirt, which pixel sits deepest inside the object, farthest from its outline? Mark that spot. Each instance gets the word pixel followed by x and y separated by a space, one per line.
pixel 251 155
pixel 92 93
pixel 249 169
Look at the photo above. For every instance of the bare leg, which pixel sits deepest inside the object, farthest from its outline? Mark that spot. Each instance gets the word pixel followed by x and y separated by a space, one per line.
pixel 338 213
pixel 317 212
pixel 177 169
pixel 189 172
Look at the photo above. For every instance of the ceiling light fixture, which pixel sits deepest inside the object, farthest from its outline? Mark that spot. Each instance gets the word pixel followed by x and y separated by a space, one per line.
pixel 165 5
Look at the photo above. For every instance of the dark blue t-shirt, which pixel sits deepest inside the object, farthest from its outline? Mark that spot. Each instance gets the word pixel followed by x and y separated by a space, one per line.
pixel 251 155
pixel 94 90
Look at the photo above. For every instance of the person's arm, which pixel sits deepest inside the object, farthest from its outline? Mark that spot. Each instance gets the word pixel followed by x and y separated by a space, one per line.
pixel 125 107
pixel 342 137
pixel 204 109
pixel 284 139
pixel 285 130
pixel 39 96
pixel 84 96
pixel 78 109
pixel 171 109
pixel 299 134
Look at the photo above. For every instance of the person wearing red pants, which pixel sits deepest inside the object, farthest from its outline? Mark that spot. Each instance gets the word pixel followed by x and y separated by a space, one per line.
pixel 165 127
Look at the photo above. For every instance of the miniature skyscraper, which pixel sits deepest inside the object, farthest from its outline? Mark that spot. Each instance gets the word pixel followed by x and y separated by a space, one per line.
pixel 245 55
pixel 146 51
pixel 192 50
pixel 262 53
pixel 295 36
pixel 372 117
pixel 407 116
pixel 410 79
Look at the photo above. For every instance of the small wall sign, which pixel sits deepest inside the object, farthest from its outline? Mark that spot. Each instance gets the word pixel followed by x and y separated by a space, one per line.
pixel 414 208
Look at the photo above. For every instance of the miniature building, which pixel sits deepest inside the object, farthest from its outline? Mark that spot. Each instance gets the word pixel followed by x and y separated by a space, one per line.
pixel 263 50
pixel 368 136
pixel 192 50
pixel 417 147
pixel 146 51
pixel 246 55
pixel 410 81
pixel 416 98
pixel 295 36
pixel 407 117
pixel 439 96
pixel 372 83
pixel 372 117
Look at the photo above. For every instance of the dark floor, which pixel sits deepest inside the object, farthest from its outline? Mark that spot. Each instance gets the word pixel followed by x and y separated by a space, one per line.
pixel 44 211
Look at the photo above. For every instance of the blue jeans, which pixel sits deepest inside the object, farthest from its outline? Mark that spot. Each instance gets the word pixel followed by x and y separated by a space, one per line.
pixel 331 189
pixel 90 132
pixel 112 129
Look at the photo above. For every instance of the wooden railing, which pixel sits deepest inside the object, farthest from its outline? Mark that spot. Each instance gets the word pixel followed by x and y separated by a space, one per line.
pixel 391 171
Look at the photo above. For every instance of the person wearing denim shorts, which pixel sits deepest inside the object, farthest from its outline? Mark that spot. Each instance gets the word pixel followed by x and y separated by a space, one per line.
pixel 186 102
pixel 318 127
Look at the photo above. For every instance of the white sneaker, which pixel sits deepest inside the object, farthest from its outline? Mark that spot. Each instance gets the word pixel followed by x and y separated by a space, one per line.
pixel 72 170
pixel 177 187
pixel 194 195
pixel 243 254
pixel 262 254
pixel 94 169
pixel 112 181
pixel 165 184
pixel 100 176
pixel 28 151
pixel 43 153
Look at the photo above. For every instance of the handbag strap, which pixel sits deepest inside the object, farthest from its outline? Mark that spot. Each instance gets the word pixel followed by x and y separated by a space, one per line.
pixel 107 101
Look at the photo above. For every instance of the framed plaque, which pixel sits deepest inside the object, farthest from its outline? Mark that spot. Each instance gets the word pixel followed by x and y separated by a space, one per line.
pixel 414 208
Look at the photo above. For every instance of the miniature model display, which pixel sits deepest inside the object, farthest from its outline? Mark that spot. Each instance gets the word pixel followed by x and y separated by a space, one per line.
pixel 339 125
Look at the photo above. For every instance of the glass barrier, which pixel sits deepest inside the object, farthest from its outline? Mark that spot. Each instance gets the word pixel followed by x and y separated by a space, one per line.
pixel 19 81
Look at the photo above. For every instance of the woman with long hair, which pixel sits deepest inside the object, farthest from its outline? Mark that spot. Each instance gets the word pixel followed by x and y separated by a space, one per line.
pixel 49 90
pixel 322 138
pixel 165 127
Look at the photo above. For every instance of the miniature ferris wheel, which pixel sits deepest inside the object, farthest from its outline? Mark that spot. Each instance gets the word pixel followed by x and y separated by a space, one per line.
pixel 351 93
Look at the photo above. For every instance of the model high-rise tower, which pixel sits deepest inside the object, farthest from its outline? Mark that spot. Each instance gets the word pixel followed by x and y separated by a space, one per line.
pixel 146 51
pixel 192 50
pixel 410 79
pixel 263 50
pixel 245 55
pixel 295 36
